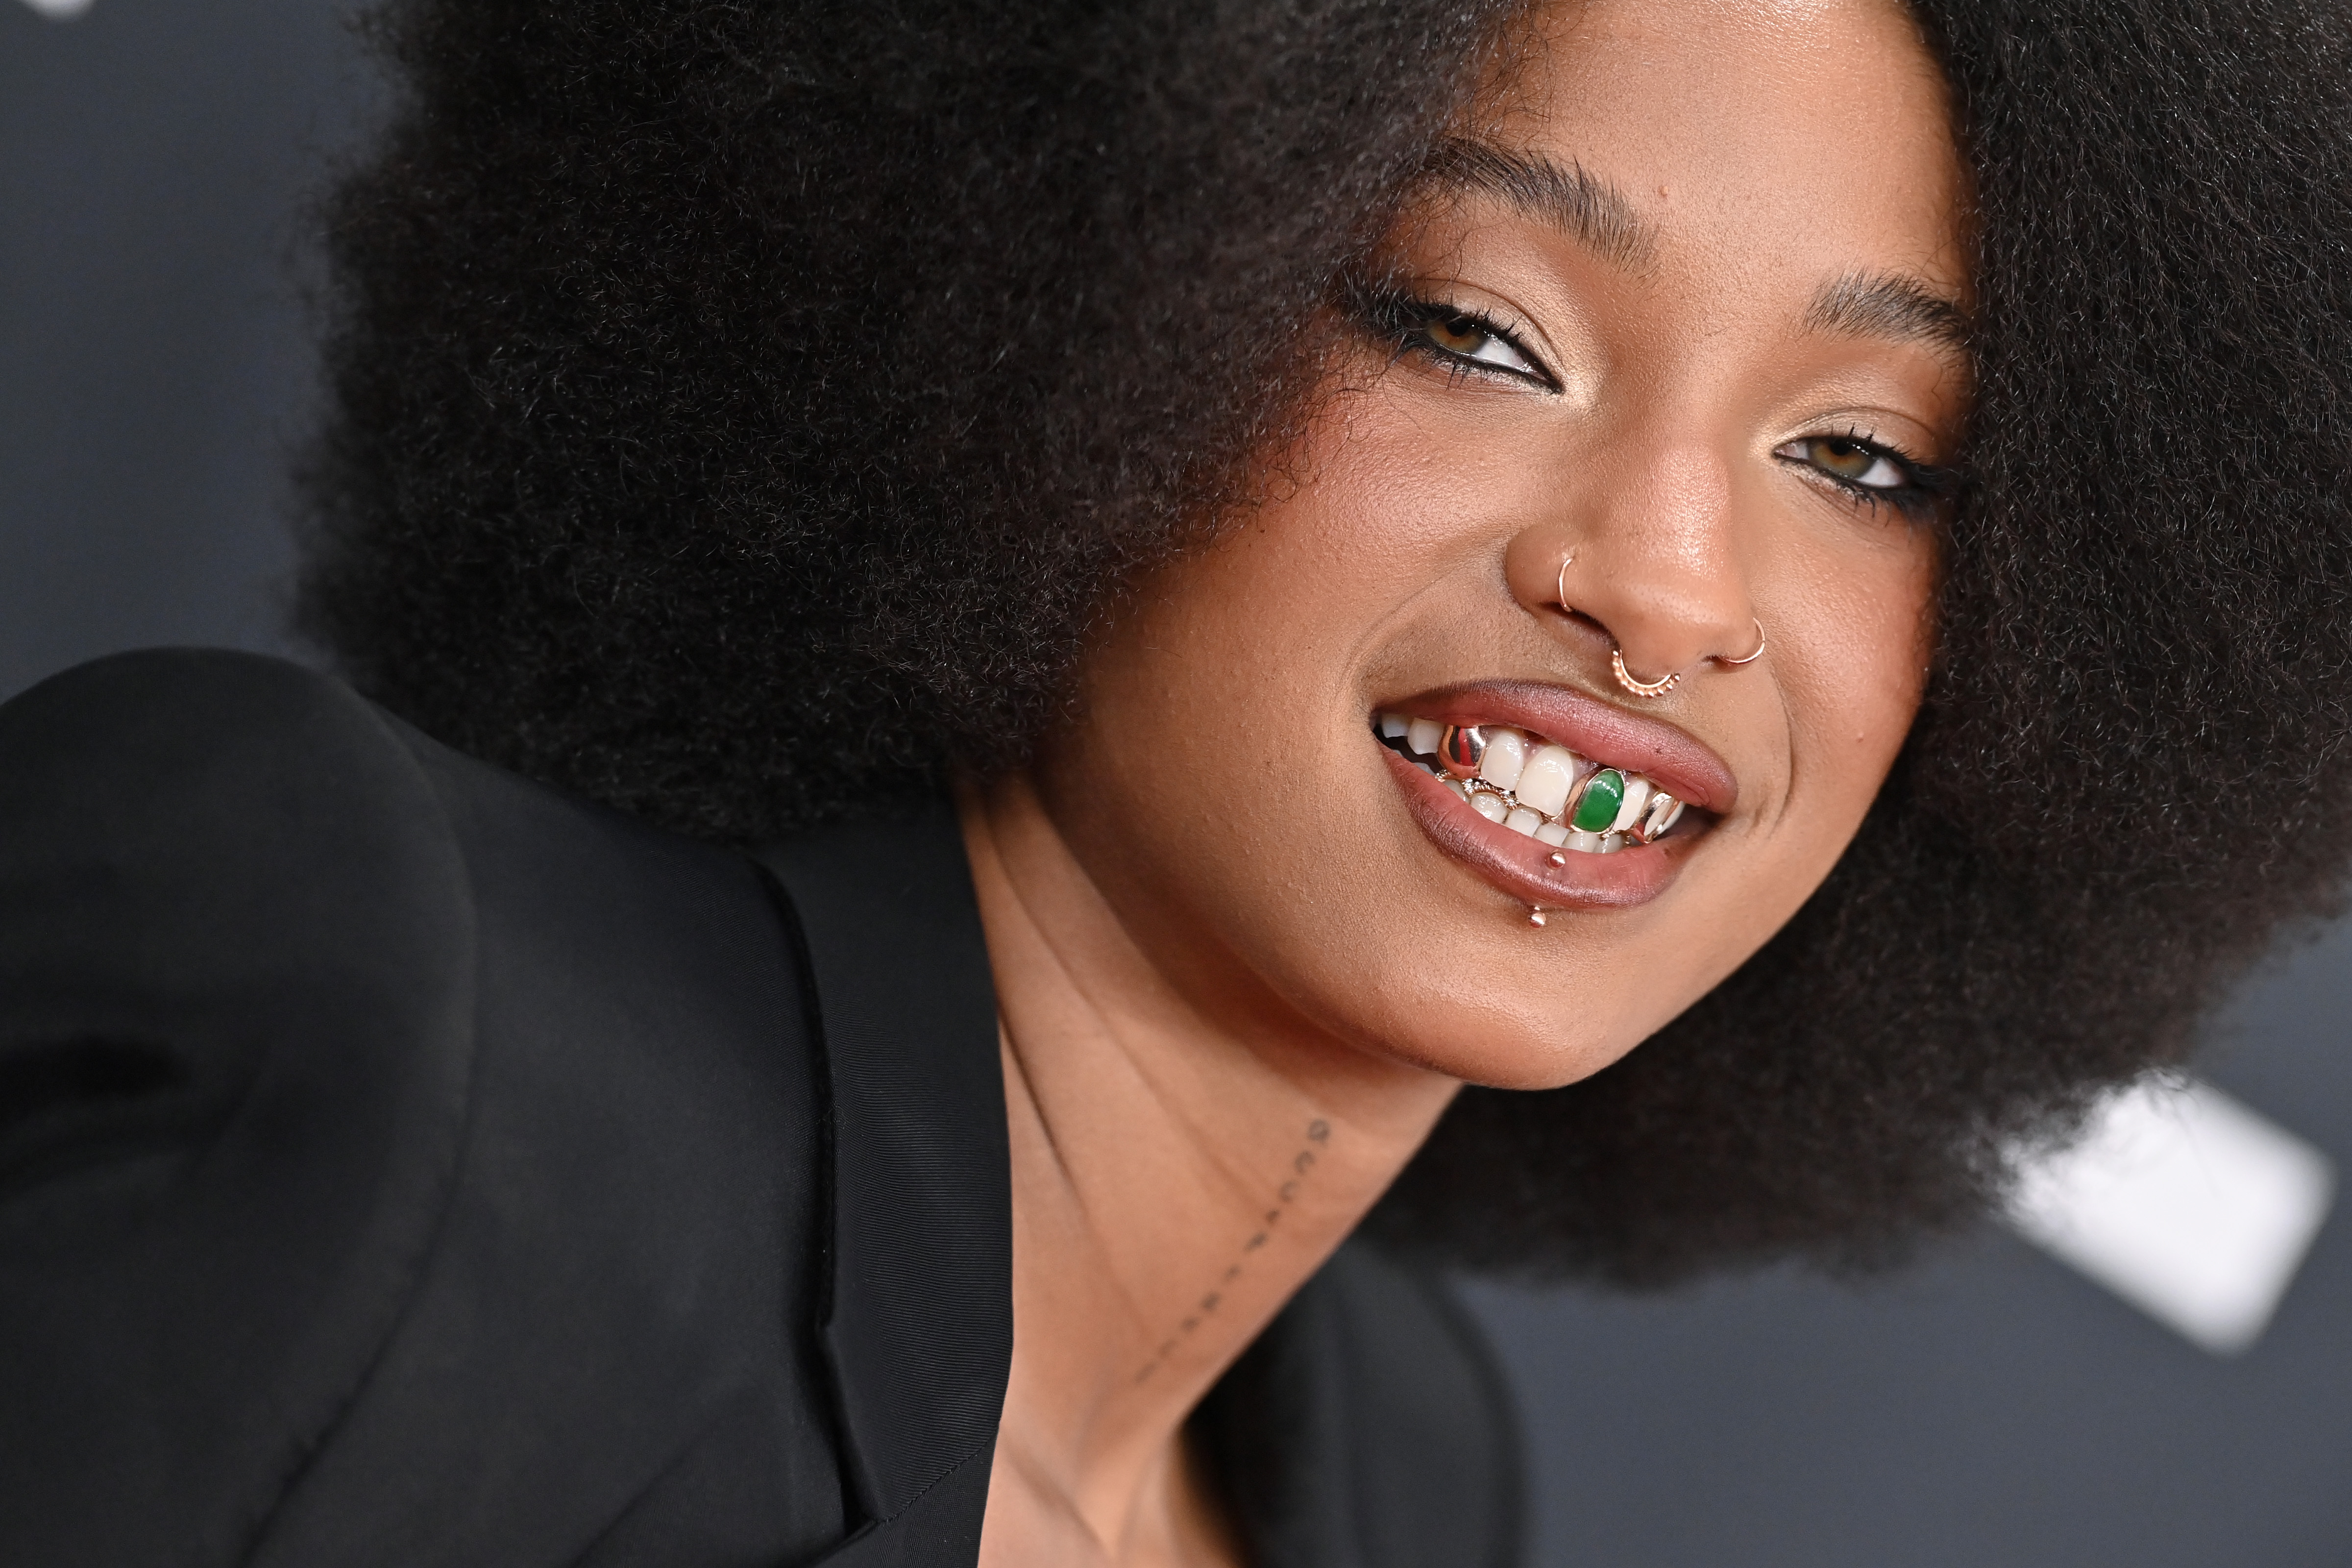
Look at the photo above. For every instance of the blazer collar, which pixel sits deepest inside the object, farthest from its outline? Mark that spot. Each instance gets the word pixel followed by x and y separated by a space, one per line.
pixel 919 1322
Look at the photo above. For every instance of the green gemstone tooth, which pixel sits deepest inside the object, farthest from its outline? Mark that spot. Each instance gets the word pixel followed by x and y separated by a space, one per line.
pixel 1596 808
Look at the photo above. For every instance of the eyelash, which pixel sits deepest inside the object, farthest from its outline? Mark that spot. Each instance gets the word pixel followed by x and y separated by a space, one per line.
pixel 1917 501
pixel 1403 321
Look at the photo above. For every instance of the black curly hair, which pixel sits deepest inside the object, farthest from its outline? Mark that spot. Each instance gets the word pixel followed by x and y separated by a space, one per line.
pixel 740 412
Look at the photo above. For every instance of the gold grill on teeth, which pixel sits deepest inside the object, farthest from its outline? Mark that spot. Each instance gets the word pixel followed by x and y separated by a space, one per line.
pixel 1534 786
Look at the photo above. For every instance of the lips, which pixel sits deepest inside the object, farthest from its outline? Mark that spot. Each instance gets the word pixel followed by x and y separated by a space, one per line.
pixel 1556 799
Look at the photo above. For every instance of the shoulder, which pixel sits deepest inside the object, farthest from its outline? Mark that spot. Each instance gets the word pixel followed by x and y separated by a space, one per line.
pixel 330 1062
pixel 189 764
pixel 236 1037
pixel 180 705
pixel 209 861
pixel 191 836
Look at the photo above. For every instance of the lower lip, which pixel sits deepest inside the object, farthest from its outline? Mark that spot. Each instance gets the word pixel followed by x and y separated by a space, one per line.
pixel 1522 867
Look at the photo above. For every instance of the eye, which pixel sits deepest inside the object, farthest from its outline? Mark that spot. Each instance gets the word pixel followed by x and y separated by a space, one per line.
pixel 1461 336
pixel 1460 341
pixel 1871 472
pixel 1851 462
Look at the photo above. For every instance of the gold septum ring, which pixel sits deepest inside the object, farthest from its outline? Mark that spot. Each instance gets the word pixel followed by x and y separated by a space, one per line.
pixel 1658 687
pixel 1626 677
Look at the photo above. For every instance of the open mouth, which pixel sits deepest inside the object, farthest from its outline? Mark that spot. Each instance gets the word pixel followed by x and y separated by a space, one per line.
pixel 1554 799
pixel 1536 787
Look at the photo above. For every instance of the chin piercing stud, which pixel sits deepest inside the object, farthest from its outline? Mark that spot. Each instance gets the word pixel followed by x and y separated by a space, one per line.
pixel 1535 916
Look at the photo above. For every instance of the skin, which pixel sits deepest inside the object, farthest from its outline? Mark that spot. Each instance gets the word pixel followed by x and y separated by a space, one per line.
pixel 1222 939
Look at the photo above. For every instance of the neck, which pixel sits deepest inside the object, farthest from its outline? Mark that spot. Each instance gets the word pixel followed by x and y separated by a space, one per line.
pixel 1181 1163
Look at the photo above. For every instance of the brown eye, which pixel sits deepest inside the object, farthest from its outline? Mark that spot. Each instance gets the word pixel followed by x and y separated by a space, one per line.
pixel 1849 462
pixel 1844 458
pixel 1464 338
pixel 1458 335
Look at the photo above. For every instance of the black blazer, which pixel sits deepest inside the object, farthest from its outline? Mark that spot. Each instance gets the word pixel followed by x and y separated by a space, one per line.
pixel 402 1162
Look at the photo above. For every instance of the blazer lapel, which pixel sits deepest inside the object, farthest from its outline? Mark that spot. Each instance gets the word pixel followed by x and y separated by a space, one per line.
pixel 941 1526
pixel 918 1326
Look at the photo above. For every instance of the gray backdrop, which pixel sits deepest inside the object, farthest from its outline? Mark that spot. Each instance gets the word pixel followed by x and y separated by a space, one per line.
pixel 1988 1409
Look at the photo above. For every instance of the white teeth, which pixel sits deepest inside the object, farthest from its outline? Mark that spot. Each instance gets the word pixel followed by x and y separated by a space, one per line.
pixel 1664 813
pixel 1524 782
pixel 1505 759
pixel 1545 782
pixel 1629 810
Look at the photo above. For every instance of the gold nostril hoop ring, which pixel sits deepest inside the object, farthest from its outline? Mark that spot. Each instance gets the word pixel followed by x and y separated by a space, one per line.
pixel 1752 657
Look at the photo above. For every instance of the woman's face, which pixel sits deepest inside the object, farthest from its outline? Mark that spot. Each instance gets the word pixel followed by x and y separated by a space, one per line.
pixel 1674 342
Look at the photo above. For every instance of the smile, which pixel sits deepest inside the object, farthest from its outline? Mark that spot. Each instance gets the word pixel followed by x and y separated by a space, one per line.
pixel 1553 798
pixel 1536 787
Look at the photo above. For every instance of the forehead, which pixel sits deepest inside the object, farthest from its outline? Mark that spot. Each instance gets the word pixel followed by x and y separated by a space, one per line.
pixel 1808 139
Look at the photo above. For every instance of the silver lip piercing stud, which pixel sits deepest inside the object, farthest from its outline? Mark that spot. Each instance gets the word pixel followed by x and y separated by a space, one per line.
pixel 1535 916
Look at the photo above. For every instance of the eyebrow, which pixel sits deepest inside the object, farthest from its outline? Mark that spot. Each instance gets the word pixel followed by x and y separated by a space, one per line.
pixel 1568 197
pixel 1571 198
pixel 1887 305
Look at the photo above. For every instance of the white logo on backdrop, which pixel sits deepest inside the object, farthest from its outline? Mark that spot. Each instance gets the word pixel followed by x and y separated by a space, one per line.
pixel 2184 1202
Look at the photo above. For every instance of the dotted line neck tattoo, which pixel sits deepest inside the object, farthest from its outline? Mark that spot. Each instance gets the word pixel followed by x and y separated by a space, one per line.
pixel 1318 1136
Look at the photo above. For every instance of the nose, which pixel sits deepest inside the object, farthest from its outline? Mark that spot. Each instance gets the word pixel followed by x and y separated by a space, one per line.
pixel 1642 552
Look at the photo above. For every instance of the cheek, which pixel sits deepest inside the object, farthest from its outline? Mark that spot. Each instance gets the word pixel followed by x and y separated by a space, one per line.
pixel 1267 632
pixel 1207 712
pixel 1853 676
pixel 1223 787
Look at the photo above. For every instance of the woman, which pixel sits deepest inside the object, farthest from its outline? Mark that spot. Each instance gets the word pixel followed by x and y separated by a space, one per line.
pixel 1426 549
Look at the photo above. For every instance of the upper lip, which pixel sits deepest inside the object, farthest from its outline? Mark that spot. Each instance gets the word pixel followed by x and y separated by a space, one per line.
pixel 1675 761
